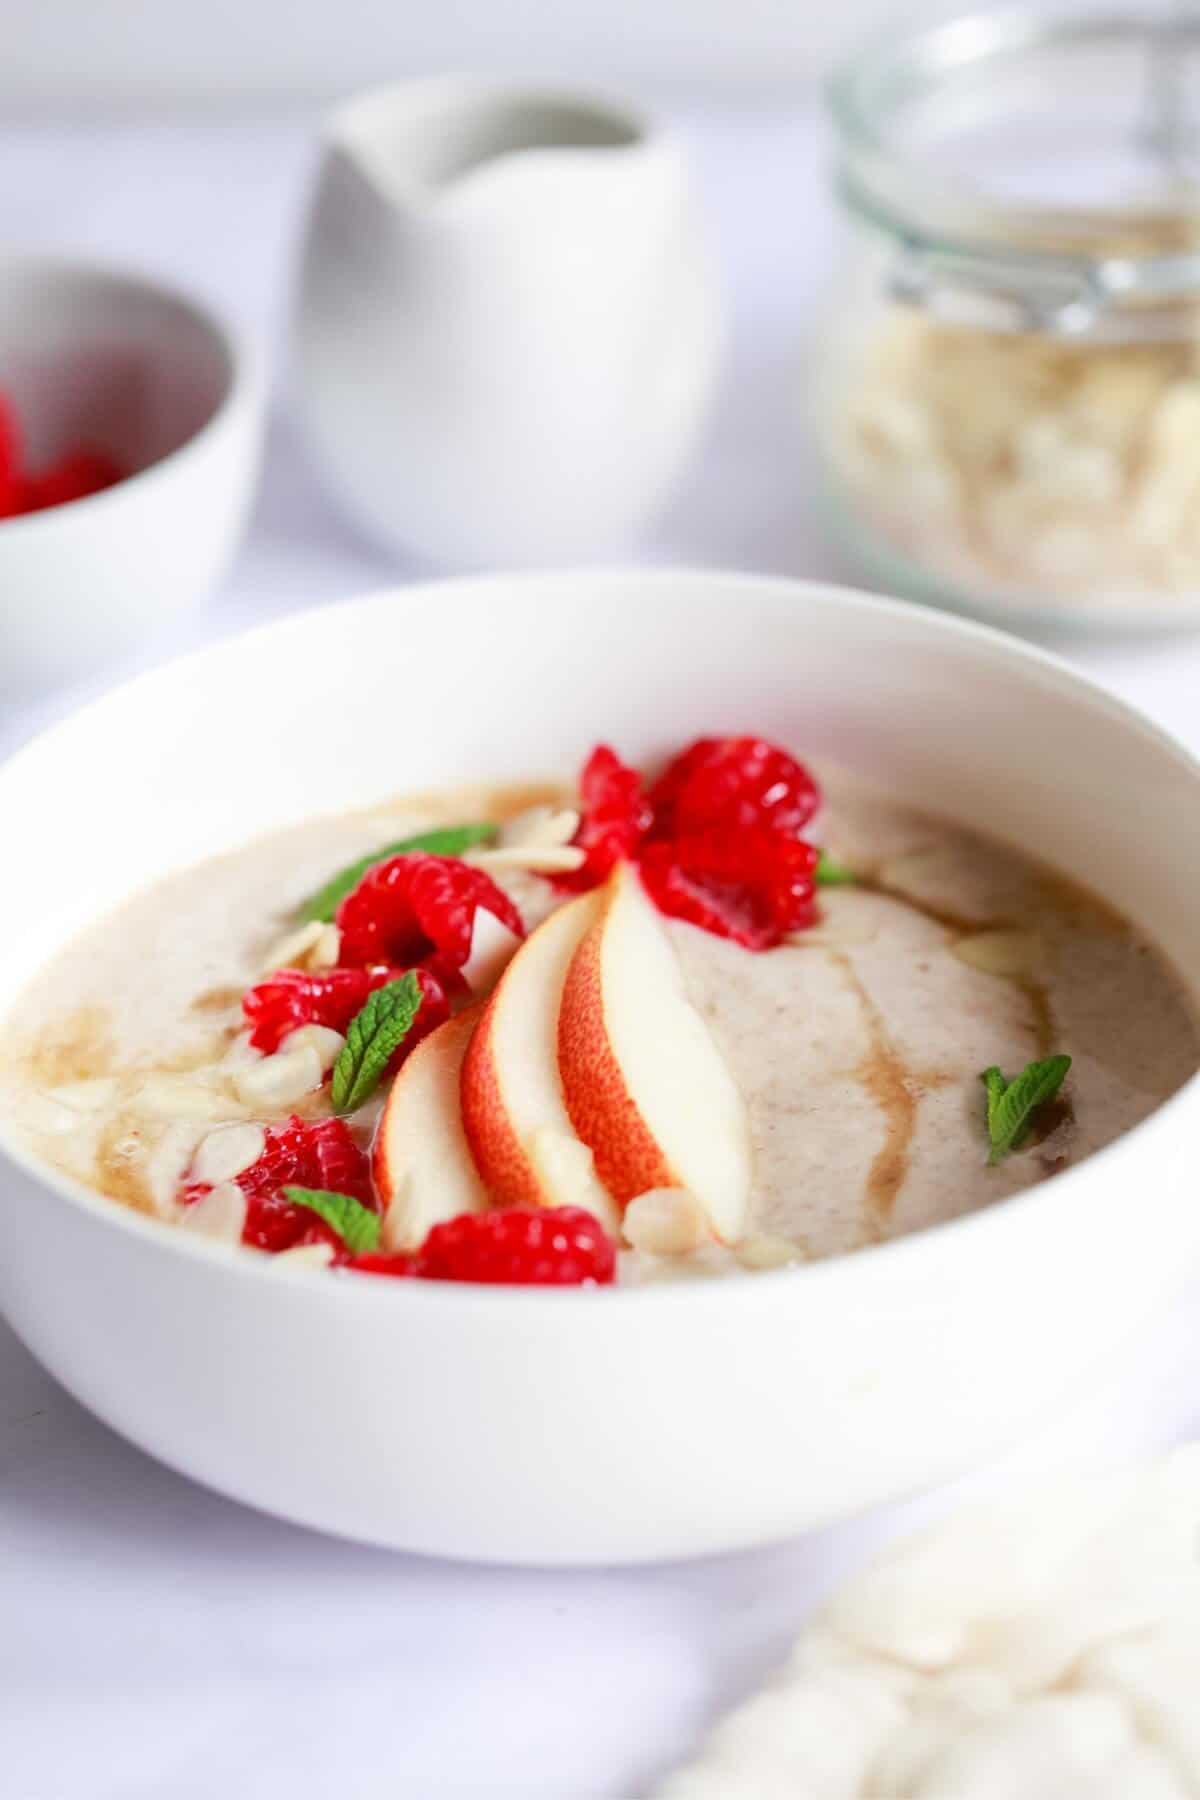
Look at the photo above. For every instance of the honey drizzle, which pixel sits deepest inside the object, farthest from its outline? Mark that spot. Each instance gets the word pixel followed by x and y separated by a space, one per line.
pixel 887 1080
pixel 884 1075
pixel 117 1174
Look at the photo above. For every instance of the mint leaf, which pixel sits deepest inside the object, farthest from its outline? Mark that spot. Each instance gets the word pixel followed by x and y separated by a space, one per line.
pixel 355 1224
pixel 1012 1104
pixel 996 1086
pixel 831 873
pixel 374 1035
pixel 449 840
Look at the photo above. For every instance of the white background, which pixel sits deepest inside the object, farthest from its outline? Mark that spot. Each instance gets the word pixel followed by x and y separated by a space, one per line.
pixel 158 1643
pixel 172 50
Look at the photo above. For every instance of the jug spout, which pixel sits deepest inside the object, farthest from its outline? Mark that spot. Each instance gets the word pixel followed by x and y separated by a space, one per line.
pixel 418 143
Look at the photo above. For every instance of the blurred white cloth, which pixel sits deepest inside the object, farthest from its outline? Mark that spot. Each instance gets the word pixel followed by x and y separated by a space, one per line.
pixel 1045 1645
pixel 157 1641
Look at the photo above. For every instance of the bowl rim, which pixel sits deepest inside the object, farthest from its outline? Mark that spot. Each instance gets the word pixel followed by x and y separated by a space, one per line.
pixel 165 1238
pixel 243 378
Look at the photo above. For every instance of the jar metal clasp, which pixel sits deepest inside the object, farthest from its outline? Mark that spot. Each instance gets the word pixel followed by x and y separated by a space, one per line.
pixel 995 292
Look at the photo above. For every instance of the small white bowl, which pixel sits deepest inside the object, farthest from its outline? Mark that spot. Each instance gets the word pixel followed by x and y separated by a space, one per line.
pixel 570 1426
pixel 128 365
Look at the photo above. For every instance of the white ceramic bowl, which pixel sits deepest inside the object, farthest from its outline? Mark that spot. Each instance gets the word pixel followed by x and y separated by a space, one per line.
pixel 574 1426
pixel 124 363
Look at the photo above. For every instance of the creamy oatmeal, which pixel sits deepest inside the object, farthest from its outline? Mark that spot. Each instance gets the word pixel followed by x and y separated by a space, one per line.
pixel 719 1054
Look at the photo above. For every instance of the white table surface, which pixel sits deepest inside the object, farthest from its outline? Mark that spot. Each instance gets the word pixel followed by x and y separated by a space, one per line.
pixel 160 1643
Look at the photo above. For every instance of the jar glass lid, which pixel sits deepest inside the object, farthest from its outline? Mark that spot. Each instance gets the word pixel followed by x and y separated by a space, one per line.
pixel 1063 129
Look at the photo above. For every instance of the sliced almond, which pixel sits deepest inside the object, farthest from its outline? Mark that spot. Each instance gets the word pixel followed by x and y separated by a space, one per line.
pixel 665 1222
pixel 765 1251
pixel 303 1256
pixel 88 1096
pixel 293 950
pixel 167 1164
pixel 46 1117
pixel 492 948
pixel 225 1153
pixel 220 1214
pixel 548 859
pixel 327 1043
pixel 1008 953
pixel 280 1080
pixel 542 826
pixel 241 1053
pixel 328 947
pixel 183 1097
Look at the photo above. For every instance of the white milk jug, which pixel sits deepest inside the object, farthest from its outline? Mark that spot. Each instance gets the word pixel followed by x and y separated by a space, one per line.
pixel 507 327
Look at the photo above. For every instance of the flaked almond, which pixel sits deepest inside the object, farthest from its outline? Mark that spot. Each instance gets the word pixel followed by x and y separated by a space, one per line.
pixel 542 826
pixel 540 859
pixel 88 1096
pixel 492 947
pixel 303 1256
pixel 328 947
pixel 327 1043
pixel 763 1250
pixel 1009 953
pixel 223 1154
pixel 220 1214
pixel 191 1096
pixel 47 1117
pixel 167 1164
pixel 665 1222
pixel 280 1080
pixel 293 950
pixel 241 1053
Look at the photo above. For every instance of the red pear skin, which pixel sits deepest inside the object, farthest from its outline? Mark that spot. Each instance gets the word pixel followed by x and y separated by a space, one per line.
pixel 628 1159
pixel 503 1166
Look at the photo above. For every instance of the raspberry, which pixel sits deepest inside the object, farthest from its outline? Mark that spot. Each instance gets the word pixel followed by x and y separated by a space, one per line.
pixel 616 817
pixel 315 1154
pixel 290 998
pixel 77 473
pixel 733 784
pixel 309 1153
pixel 10 461
pixel 559 1246
pixel 73 477
pixel 753 886
pixel 415 909
pixel 382 1262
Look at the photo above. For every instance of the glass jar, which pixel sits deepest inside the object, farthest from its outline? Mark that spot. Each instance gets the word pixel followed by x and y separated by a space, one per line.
pixel 1008 390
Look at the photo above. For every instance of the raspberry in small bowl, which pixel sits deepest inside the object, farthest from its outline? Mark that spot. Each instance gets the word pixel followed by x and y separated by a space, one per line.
pixel 129 430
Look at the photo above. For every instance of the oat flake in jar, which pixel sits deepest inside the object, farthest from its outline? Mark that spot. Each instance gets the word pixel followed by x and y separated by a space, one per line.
pixel 1008 390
